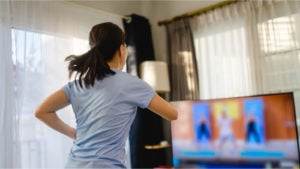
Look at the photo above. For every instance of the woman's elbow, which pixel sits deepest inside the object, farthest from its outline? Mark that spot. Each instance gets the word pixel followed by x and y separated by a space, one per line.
pixel 38 114
pixel 174 115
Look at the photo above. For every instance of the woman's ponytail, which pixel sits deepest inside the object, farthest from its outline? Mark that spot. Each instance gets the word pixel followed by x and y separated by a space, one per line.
pixel 88 67
pixel 105 39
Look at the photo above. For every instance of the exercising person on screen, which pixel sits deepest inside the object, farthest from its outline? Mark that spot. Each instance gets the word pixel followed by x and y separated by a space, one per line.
pixel 225 129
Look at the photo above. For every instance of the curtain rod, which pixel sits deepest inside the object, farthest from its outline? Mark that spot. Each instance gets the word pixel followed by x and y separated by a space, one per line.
pixel 197 12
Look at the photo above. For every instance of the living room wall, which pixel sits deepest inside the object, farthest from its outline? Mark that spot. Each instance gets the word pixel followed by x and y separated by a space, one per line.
pixel 153 10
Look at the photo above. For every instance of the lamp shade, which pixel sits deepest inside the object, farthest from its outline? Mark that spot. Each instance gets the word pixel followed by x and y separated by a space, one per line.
pixel 155 73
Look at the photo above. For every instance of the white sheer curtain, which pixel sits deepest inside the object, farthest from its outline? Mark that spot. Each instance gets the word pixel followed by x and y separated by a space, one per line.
pixel 35 38
pixel 250 47
pixel 221 49
pixel 8 118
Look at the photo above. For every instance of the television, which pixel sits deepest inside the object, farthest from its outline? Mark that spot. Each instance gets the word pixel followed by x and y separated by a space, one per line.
pixel 242 132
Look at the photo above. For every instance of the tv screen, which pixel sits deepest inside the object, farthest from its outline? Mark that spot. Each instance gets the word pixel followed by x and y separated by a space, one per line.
pixel 253 131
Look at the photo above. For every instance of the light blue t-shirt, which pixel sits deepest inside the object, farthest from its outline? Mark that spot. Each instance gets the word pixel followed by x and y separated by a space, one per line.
pixel 104 114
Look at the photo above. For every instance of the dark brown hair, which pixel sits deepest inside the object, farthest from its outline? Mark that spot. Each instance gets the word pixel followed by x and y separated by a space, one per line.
pixel 105 39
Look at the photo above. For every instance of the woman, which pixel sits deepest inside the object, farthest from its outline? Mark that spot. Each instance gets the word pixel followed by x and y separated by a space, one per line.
pixel 104 100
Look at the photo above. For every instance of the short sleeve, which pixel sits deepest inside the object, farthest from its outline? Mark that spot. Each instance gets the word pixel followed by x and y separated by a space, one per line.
pixel 67 90
pixel 140 93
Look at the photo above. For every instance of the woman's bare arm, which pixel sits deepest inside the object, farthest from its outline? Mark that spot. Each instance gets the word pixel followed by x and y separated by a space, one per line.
pixel 46 112
pixel 161 107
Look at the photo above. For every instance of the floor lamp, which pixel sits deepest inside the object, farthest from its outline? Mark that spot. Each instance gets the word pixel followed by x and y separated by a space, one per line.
pixel 155 73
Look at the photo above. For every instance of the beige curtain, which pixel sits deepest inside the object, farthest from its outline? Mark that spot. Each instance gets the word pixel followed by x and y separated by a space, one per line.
pixel 182 61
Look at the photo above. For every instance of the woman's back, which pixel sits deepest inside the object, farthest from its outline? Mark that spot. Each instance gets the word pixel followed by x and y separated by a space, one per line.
pixel 104 114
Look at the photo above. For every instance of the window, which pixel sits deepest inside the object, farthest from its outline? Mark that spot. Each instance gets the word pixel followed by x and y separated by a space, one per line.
pixel 40 69
pixel 280 48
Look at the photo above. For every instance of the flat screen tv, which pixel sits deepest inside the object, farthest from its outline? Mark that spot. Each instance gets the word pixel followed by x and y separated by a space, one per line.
pixel 252 131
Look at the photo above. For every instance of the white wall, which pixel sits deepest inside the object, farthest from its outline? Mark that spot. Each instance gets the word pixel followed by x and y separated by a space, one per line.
pixel 153 10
